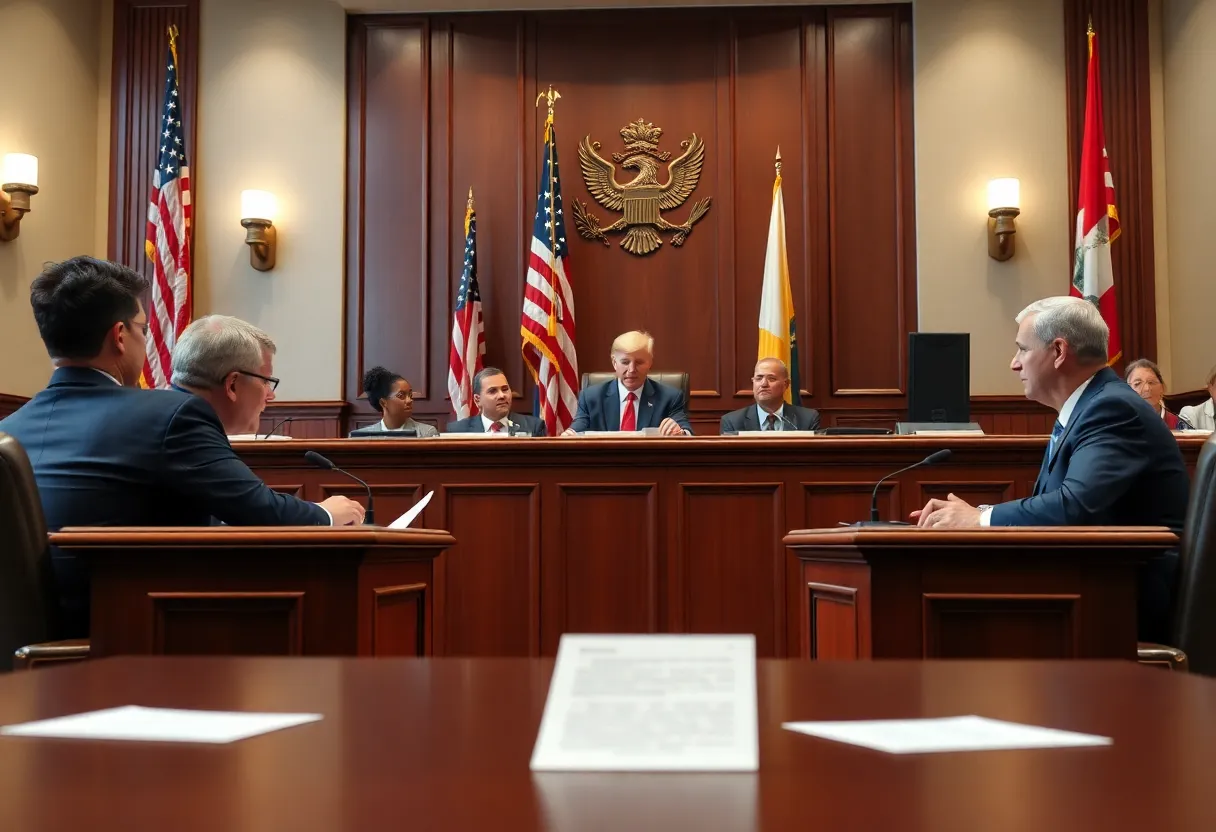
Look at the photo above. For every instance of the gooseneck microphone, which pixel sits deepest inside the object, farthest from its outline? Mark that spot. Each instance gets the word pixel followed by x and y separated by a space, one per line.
pixel 787 420
pixel 369 517
pixel 278 425
pixel 935 457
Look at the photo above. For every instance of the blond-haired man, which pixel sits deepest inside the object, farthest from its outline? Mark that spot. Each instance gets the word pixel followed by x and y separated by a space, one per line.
pixel 631 401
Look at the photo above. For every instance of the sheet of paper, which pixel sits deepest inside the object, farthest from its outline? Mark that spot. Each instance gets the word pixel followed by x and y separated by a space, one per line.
pixel 134 722
pixel 403 522
pixel 256 437
pixel 621 434
pixel 775 434
pixel 650 703
pixel 958 733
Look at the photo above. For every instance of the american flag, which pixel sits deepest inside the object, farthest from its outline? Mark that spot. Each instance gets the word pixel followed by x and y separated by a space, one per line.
pixel 468 328
pixel 547 323
pixel 167 240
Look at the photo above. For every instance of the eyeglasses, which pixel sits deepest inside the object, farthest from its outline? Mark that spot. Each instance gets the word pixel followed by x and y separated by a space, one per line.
pixel 403 395
pixel 270 381
pixel 142 325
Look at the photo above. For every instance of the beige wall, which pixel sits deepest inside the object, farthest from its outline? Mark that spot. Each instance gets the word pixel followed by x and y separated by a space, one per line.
pixel 272 117
pixel 1189 126
pixel 49 108
pixel 989 103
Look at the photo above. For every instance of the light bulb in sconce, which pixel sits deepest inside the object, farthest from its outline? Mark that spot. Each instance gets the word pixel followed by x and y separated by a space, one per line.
pixel 259 209
pixel 1004 198
pixel 19 181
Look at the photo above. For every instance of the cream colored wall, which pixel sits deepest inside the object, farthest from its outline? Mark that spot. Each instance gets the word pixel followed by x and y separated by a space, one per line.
pixel 49 109
pixel 989 103
pixel 1189 125
pixel 272 117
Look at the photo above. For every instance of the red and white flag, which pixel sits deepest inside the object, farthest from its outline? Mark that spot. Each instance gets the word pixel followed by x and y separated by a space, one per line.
pixel 467 353
pixel 547 322
pixel 1093 278
pixel 167 238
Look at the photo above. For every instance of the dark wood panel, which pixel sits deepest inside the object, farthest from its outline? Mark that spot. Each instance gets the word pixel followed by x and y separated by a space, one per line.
pixel 306 420
pixel 490 604
pixel 137 88
pixel 399 621
pixel 391 499
pixel 227 623
pixel 1029 626
pixel 1123 54
pixel 730 571
pixel 869 284
pixel 976 493
pixel 744 80
pixel 835 622
pixel 607 535
pixel 830 503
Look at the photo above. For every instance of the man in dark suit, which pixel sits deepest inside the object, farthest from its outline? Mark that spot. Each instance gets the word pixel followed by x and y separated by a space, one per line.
pixel 106 453
pixel 492 397
pixel 1111 460
pixel 632 401
pixel 770 382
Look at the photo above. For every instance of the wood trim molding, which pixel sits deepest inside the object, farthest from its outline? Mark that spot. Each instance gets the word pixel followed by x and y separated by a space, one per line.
pixel 1122 28
pixel 9 403
pixel 306 420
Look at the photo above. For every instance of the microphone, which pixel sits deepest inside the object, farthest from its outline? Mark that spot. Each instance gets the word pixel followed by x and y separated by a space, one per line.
pixel 787 420
pixel 369 517
pixel 936 456
pixel 1183 424
pixel 278 425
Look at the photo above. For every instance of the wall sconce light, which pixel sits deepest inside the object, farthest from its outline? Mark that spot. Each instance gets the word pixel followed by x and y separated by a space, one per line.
pixel 1003 199
pixel 258 210
pixel 19 178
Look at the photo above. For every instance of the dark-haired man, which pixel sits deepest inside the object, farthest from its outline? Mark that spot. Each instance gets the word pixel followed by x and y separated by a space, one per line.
pixel 106 453
pixel 492 397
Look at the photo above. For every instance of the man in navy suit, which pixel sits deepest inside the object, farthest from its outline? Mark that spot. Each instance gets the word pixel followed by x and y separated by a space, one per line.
pixel 492 398
pixel 1111 460
pixel 632 401
pixel 770 381
pixel 106 453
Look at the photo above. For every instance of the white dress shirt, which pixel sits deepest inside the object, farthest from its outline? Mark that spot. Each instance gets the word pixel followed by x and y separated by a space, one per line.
pixel 1200 416
pixel 107 375
pixel 623 392
pixel 779 413
pixel 1070 404
pixel 504 421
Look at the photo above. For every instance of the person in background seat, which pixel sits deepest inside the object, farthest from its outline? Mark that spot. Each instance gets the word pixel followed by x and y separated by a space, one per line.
pixel 1203 416
pixel 1145 378
pixel 393 398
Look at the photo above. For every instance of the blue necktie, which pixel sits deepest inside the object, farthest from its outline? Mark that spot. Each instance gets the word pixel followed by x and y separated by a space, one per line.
pixel 1057 430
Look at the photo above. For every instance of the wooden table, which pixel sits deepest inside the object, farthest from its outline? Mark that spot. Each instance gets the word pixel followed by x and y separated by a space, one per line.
pixel 1028 593
pixel 275 590
pixel 640 535
pixel 444 744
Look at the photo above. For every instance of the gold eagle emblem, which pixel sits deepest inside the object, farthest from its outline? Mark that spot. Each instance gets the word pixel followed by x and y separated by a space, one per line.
pixel 642 199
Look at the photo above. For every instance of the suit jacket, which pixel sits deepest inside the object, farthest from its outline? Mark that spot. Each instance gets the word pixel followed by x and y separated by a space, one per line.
pixel 1200 416
pixel 599 407
pixel 1116 464
pixel 804 418
pixel 528 425
pixel 105 455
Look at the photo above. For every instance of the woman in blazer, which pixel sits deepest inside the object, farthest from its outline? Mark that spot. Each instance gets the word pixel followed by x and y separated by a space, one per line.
pixel 393 397
pixel 1203 416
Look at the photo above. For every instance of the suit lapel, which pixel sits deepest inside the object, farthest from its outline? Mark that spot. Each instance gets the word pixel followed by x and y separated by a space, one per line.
pixel 476 424
pixel 750 420
pixel 612 406
pixel 1100 380
pixel 646 405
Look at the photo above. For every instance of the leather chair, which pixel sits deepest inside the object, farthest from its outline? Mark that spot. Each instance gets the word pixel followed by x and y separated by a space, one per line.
pixel 27 594
pixel 671 379
pixel 1194 641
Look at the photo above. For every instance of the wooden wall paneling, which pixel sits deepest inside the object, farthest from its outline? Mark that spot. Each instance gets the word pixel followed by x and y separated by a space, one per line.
pixel 309 420
pixel 730 565
pixel 1123 52
pixel 389 208
pixel 872 288
pixel 137 94
pixel 814 328
pixel 965 625
pixel 767 78
pixel 391 499
pixel 603 534
pixel 831 503
pixel 481 618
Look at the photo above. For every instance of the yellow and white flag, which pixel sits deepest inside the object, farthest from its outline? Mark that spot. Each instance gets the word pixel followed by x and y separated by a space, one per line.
pixel 777 329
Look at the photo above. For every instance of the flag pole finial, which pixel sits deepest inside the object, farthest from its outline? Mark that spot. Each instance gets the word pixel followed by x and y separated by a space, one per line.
pixel 551 96
pixel 470 196
pixel 777 163
pixel 1089 28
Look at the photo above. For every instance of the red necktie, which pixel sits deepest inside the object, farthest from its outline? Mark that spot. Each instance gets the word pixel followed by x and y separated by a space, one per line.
pixel 495 427
pixel 629 421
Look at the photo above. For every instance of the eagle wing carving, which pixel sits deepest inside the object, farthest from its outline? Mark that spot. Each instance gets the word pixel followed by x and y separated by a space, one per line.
pixel 684 171
pixel 599 174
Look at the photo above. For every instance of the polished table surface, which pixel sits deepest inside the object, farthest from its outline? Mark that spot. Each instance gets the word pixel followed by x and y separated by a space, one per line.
pixel 445 743
pixel 646 535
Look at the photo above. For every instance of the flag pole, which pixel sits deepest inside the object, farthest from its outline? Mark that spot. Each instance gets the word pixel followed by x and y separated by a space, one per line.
pixel 551 96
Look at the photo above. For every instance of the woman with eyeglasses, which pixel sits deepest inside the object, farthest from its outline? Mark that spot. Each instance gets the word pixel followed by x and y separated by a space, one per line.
pixel 1145 378
pixel 393 398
